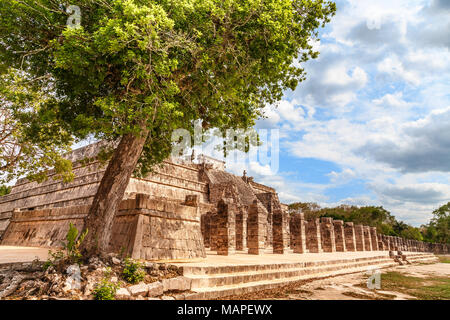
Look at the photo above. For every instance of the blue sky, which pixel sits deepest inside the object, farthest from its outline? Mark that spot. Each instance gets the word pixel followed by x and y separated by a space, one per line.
pixel 371 124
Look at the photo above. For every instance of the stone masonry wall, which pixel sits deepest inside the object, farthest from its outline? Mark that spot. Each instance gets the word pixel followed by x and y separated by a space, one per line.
pixel 143 228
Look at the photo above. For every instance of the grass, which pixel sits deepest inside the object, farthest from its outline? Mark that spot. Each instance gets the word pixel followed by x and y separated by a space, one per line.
pixel 432 288
pixel 444 259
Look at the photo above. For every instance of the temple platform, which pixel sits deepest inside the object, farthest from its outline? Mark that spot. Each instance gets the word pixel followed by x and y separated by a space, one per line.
pixel 219 276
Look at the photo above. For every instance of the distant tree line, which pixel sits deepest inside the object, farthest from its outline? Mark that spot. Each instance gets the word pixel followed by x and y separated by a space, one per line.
pixel 437 230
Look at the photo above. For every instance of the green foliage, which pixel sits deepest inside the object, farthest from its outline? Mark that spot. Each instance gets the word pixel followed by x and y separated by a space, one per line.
pixel 4 190
pixel 73 243
pixel 105 290
pixel 70 252
pixel 438 229
pixel 155 66
pixel 33 141
pixel 133 271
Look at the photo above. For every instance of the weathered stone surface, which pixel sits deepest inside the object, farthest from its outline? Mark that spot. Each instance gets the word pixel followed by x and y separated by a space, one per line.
pixel 256 232
pixel 339 235
pixel 138 289
pixel 280 243
pixel 350 237
pixel 122 293
pixel 374 238
pixel 178 283
pixel 327 235
pixel 298 233
pixel 155 289
pixel 367 238
pixel 359 236
pixel 226 227
pixel 313 236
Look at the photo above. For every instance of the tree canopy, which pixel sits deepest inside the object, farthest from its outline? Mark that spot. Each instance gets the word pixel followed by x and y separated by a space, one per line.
pixel 158 65
pixel 438 229
pixel 134 71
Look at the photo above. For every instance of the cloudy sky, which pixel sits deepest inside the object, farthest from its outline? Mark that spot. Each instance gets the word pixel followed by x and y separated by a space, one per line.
pixel 371 125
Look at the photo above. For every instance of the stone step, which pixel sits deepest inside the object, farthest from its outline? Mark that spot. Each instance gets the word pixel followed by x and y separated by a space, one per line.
pixel 226 269
pixel 423 259
pixel 227 290
pixel 203 281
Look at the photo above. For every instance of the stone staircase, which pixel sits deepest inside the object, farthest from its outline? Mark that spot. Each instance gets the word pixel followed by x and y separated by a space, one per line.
pixel 415 258
pixel 212 282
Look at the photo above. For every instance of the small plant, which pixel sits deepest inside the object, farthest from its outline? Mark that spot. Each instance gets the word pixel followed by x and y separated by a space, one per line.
pixel 72 246
pixel 55 258
pixel 132 271
pixel 105 290
pixel 71 249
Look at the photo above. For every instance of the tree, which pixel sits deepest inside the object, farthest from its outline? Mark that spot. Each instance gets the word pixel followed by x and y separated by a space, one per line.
pixel 29 147
pixel 134 71
pixel 438 229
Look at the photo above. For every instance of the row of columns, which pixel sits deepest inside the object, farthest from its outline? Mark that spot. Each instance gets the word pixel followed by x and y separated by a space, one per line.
pixel 233 229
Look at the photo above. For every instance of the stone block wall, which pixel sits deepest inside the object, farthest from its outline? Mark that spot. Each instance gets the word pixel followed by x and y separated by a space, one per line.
pixel 143 228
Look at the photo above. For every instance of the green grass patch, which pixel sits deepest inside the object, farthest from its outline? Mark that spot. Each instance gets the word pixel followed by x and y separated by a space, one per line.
pixel 431 288
pixel 444 259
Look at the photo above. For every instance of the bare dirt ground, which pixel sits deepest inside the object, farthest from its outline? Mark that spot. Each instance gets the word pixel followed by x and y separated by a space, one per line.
pixel 350 286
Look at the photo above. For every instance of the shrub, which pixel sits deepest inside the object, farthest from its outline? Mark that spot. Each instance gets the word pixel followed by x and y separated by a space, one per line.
pixel 71 249
pixel 105 290
pixel 132 271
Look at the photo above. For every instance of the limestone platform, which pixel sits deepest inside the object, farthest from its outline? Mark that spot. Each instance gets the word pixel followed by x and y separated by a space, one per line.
pixel 219 276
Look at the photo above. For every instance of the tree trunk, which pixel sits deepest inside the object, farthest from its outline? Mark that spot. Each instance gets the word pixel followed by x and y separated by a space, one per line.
pixel 110 193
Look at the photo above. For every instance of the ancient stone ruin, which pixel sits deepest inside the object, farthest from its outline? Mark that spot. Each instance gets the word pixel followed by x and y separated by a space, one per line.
pixel 180 211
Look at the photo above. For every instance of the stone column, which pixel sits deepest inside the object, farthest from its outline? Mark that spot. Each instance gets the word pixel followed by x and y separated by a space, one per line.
pixel 213 234
pixel 255 229
pixel 206 229
pixel 298 233
pixel 226 228
pixel 374 237
pixel 279 232
pixel 367 239
pixel 359 235
pixel 240 233
pixel 327 234
pixel 350 239
pixel 381 246
pixel 392 243
pixel 339 235
pixel 313 239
